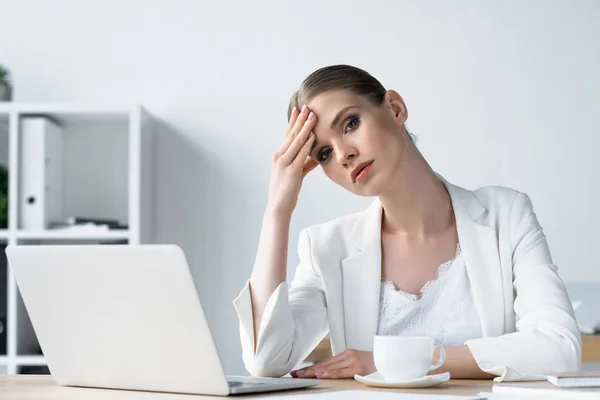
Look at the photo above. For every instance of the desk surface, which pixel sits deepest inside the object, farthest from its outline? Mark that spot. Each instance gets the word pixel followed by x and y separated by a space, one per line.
pixel 43 387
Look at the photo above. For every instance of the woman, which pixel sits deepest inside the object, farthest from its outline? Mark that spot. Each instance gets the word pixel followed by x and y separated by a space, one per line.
pixel 471 269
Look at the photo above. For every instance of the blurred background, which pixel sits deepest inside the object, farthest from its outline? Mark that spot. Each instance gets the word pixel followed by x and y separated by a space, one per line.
pixel 498 93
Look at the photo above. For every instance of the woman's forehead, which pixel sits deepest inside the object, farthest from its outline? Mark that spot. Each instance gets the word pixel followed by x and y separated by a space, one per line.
pixel 327 105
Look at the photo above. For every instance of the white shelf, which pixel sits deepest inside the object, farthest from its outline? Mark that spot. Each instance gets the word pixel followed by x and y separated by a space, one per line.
pixel 79 111
pixel 107 174
pixel 30 360
pixel 81 235
pixel 23 360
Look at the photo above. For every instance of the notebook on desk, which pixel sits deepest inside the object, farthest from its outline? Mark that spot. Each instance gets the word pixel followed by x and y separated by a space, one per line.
pixel 576 379
pixel 374 395
pixel 125 317
pixel 543 390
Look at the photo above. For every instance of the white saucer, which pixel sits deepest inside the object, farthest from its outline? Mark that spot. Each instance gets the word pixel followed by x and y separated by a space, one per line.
pixel 375 379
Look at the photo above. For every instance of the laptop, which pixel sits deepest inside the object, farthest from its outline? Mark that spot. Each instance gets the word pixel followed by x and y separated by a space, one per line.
pixel 125 317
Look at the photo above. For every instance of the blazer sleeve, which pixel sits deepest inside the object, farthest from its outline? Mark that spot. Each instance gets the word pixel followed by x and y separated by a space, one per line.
pixel 547 337
pixel 293 323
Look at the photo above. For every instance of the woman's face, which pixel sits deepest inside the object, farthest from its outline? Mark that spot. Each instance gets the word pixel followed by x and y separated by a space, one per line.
pixel 352 132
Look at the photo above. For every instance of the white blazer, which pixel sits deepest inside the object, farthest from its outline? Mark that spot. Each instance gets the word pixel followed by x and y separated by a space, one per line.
pixel 527 320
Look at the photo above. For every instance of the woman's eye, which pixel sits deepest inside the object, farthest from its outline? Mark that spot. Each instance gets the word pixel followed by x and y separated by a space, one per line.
pixel 351 124
pixel 325 155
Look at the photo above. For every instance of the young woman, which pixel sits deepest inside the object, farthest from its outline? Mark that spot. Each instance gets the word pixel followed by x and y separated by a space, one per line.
pixel 471 269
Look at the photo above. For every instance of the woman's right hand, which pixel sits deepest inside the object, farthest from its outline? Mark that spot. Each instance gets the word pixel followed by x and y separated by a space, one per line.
pixel 291 162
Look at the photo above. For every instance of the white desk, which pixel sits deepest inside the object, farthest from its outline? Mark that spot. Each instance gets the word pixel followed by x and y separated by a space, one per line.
pixel 25 387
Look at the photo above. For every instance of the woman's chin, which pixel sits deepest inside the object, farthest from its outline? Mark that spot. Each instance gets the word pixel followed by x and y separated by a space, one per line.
pixel 369 189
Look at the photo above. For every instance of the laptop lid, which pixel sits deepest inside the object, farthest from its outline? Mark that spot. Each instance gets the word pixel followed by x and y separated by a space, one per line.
pixel 118 316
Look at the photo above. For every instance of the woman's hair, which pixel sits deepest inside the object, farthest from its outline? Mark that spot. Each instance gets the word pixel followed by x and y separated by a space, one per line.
pixel 339 77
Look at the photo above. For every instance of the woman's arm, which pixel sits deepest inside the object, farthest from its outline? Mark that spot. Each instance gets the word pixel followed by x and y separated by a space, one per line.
pixel 547 337
pixel 278 328
pixel 292 323
pixel 290 164
pixel 460 363
pixel 271 263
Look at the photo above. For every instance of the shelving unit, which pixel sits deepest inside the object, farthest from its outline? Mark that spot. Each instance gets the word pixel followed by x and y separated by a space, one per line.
pixel 49 234
pixel 107 173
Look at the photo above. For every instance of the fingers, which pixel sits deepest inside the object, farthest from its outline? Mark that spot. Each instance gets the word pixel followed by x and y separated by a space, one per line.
pixel 325 364
pixel 341 364
pixel 338 373
pixel 309 165
pixel 302 156
pixel 285 145
pixel 299 141
pixel 304 373
pixel 326 371
pixel 300 118
pixel 344 365
pixel 298 121
pixel 322 364
pixel 315 370
pixel 293 118
pixel 309 372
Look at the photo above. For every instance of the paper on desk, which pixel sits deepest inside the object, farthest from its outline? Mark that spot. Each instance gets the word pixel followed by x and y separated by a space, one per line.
pixel 372 395
pixel 496 396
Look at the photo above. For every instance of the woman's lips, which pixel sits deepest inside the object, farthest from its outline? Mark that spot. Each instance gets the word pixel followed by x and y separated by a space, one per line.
pixel 363 173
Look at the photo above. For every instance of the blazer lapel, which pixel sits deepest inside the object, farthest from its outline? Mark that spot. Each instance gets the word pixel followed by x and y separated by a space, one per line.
pixel 479 244
pixel 361 270
pixel 361 280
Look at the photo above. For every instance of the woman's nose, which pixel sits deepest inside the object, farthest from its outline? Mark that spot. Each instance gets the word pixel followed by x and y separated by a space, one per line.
pixel 345 154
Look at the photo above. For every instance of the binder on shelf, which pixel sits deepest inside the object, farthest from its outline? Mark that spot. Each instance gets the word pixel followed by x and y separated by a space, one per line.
pixel 3 302
pixel 41 174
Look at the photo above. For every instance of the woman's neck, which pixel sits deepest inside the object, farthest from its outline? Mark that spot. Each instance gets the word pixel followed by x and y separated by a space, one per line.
pixel 417 202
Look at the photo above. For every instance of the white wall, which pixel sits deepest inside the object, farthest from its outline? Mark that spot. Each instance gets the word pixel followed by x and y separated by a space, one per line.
pixel 498 93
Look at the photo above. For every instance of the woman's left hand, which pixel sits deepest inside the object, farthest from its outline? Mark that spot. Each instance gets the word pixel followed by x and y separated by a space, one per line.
pixel 344 365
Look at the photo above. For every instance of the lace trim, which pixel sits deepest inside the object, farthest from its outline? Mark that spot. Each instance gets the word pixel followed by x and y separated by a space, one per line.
pixel 389 285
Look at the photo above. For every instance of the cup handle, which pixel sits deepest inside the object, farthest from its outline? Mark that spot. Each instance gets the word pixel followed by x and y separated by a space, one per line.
pixel 441 360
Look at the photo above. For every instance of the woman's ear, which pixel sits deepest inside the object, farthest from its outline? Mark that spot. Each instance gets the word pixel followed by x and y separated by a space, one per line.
pixel 396 103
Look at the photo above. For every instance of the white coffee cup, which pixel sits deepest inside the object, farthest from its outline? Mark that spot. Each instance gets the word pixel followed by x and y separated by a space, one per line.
pixel 403 358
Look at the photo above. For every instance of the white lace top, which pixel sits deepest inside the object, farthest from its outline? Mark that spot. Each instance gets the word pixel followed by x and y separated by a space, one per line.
pixel 445 311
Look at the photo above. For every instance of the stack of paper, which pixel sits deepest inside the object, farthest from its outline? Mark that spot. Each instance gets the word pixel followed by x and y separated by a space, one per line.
pixel 576 379
pixel 539 390
pixel 372 395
